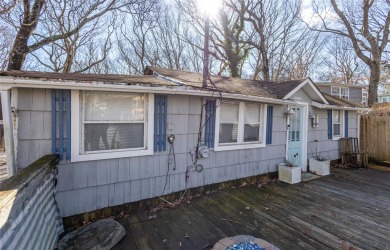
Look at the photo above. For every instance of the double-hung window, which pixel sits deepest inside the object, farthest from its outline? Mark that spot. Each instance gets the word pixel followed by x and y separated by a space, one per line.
pixel 228 126
pixel 110 124
pixel 337 124
pixel 364 96
pixel 335 91
pixel 342 92
pixel 240 125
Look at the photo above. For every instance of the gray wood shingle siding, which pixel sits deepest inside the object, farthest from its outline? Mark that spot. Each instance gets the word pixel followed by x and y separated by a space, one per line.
pixel 90 185
pixel 325 147
pixel 34 125
pixel 355 93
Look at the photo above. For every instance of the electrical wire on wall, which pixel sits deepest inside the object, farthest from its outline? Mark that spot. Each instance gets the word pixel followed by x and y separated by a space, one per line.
pixel 171 161
pixel 195 166
pixel 194 152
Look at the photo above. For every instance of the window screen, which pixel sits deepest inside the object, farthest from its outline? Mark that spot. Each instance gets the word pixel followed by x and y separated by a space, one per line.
pixel 228 127
pixel 336 123
pixel 252 122
pixel 113 121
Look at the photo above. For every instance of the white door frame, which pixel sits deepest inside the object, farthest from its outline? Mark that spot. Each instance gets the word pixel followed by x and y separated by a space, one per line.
pixel 305 127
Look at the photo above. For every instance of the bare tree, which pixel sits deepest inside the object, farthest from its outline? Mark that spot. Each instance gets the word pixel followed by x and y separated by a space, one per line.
pixel 366 24
pixel 227 35
pixel 301 59
pixel 28 39
pixel 342 64
pixel 281 47
pixel 7 6
pixel 170 39
pixel 64 53
pixel 135 42
pixel 5 45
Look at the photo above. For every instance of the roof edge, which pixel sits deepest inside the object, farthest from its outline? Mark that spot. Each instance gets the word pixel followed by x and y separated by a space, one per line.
pixel 312 85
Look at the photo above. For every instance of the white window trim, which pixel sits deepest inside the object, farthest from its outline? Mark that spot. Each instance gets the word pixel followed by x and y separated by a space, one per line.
pixel 342 122
pixel 241 117
pixel 335 87
pixel 347 88
pixel 364 96
pixel 76 155
pixel 339 88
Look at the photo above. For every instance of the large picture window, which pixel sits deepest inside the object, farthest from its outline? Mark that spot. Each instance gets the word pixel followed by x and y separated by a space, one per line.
pixel 240 125
pixel 111 124
pixel 113 121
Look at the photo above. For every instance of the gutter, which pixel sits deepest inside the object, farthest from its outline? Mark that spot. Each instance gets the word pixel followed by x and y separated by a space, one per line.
pixel 11 82
pixel 328 106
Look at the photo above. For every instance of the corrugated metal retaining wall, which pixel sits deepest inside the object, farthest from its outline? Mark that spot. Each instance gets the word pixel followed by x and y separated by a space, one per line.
pixel 37 223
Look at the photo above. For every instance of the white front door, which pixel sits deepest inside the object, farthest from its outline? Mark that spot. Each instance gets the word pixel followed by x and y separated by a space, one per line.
pixel 296 137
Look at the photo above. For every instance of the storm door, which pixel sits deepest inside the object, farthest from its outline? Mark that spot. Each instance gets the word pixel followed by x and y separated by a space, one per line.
pixel 295 129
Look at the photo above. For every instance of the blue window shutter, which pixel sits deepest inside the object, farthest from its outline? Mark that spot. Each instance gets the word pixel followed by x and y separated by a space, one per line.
pixel 61 123
pixel 53 121
pixel 330 133
pixel 270 111
pixel 57 100
pixel 160 123
pixel 210 123
pixel 346 123
pixel 68 125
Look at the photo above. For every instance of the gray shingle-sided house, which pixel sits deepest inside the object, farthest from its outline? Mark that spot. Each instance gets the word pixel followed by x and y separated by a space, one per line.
pixel 113 132
pixel 357 93
pixel 383 98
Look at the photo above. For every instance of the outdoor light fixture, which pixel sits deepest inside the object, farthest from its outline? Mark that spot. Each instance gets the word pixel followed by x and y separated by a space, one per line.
pixel 315 119
pixel 289 111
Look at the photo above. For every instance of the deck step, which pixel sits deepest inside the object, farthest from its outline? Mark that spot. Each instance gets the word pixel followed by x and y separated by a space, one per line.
pixel 383 163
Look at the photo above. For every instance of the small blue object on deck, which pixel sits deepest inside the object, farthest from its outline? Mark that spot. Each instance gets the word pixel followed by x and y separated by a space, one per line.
pixel 245 246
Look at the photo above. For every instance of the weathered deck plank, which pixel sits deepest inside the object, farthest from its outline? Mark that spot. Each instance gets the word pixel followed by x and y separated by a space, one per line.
pixel 346 209
pixel 322 217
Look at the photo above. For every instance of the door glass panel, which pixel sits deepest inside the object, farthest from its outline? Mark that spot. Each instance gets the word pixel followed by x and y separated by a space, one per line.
pixel 298 123
pixel 295 126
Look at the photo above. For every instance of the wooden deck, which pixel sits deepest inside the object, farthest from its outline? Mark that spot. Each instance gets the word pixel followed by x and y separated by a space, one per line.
pixel 348 208
pixel 3 167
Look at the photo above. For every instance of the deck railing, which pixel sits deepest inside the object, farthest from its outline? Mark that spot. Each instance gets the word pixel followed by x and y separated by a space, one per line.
pixel 29 216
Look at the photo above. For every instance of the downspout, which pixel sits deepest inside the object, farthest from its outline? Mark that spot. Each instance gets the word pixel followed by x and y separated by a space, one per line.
pixel 8 132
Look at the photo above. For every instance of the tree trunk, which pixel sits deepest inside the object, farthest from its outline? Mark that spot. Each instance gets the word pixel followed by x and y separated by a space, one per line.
pixel 234 67
pixel 265 68
pixel 30 20
pixel 373 84
pixel 19 50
